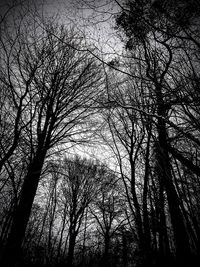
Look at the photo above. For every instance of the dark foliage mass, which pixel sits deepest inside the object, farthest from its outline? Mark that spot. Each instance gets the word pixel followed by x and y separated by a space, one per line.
pixel 61 207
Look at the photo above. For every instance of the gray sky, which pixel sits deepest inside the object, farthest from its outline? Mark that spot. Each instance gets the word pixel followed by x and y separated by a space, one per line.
pixel 93 18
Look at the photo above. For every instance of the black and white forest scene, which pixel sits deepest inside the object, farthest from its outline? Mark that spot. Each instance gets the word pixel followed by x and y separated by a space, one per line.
pixel 99 133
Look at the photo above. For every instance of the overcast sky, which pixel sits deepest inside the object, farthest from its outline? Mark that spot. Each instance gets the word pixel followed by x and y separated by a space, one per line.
pixel 93 18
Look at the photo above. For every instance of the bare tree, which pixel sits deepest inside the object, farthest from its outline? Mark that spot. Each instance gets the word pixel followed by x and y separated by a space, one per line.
pixel 80 181
pixel 108 213
pixel 156 40
pixel 59 98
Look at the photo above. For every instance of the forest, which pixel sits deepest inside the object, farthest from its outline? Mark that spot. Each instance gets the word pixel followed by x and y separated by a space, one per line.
pixel 100 153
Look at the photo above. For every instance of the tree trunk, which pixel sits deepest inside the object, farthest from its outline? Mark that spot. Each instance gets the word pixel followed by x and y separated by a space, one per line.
pixel 12 252
pixel 84 238
pixel 106 250
pixel 72 242
pixel 164 249
pixel 138 217
pixel 62 231
pixel 146 226
pixel 124 249
pixel 180 232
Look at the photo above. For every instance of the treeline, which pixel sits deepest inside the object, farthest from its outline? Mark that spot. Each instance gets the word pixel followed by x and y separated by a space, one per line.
pixel 141 110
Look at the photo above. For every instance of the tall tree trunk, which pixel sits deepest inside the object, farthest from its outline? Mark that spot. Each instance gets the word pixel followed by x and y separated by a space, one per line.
pixel 106 260
pixel 84 237
pixel 21 216
pixel 146 226
pixel 138 217
pixel 72 242
pixel 124 249
pixel 180 232
pixel 164 249
pixel 62 231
